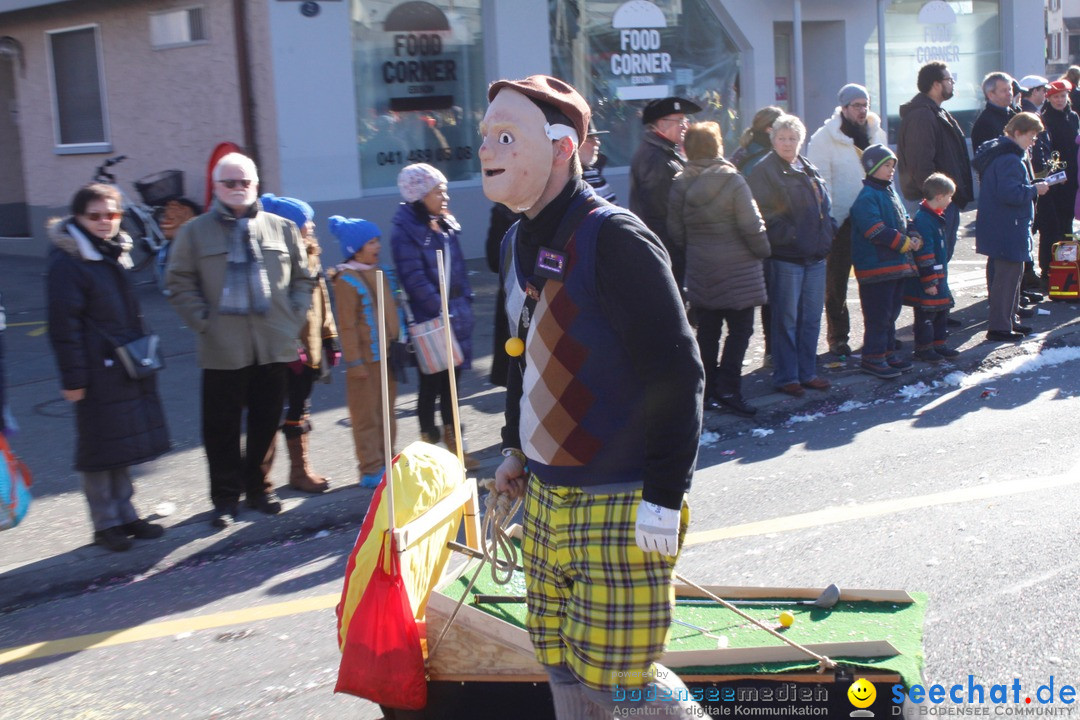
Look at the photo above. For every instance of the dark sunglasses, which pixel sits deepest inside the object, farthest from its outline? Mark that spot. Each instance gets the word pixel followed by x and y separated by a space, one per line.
pixel 233 183
pixel 95 216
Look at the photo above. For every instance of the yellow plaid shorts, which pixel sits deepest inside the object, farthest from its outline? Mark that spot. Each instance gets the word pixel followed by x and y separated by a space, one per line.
pixel 596 602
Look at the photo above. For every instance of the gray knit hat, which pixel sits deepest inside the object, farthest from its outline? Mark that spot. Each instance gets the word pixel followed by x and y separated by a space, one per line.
pixel 850 93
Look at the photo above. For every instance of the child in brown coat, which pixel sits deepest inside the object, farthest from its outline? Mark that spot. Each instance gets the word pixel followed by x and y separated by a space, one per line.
pixel 358 305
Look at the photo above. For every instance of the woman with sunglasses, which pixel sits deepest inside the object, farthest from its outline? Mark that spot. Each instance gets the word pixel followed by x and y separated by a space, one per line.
pixel 92 309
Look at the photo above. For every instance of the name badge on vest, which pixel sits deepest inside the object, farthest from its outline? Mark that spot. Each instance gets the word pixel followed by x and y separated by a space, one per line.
pixel 550 264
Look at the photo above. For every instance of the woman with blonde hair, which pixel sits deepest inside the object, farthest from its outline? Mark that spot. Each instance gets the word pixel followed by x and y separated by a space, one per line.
pixel 1003 220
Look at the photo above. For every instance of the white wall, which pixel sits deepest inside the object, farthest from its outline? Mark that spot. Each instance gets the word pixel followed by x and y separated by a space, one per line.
pixel 316 108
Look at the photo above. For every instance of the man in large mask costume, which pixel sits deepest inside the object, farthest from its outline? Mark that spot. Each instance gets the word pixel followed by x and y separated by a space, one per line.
pixel 603 409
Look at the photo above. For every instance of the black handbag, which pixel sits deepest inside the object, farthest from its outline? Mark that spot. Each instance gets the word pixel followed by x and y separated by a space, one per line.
pixel 141 358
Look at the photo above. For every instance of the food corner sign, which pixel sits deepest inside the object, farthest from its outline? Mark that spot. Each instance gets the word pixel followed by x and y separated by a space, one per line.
pixel 421 67
pixel 640 67
pixel 938 20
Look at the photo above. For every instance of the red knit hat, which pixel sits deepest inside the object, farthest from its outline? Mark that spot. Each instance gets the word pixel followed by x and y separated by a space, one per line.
pixel 553 92
pixel 1058 86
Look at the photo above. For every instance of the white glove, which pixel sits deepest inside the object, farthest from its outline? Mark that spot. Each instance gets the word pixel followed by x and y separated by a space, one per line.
pixel 657 529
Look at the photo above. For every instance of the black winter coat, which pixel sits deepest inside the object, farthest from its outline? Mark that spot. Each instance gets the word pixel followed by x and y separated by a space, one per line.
pixel 989 124
pixel 120 421
pixel 796 207
pixel 652 170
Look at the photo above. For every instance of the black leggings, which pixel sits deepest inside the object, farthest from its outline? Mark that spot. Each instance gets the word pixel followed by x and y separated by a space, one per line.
pixel 432 387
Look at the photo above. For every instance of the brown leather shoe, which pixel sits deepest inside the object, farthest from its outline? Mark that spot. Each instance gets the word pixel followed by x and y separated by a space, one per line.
pixel 793 389
pixel 818 383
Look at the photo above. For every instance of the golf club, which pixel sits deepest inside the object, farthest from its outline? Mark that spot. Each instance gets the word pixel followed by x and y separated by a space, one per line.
pixel 826 600
pixel 703 631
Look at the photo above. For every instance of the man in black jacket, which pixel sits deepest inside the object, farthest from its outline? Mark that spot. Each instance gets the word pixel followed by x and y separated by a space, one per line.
pixel 658 159
pixel 990 123
pixel 930 141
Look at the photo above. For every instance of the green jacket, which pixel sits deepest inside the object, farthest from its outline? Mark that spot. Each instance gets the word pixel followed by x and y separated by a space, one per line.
pixel 196 275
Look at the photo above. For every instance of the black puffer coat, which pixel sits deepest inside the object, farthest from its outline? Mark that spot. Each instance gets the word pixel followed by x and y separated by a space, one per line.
pixel 120 422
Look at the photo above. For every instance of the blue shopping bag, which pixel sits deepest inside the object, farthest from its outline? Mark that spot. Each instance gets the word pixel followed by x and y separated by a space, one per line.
pixel 15 484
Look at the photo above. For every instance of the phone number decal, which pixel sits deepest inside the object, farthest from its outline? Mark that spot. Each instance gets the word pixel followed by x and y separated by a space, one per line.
pixel 401 157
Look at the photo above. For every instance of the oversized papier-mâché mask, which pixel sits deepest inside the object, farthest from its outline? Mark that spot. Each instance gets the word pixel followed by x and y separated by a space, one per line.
pixel 516 152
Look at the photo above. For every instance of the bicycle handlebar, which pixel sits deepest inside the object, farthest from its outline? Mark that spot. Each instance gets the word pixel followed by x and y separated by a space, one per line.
pixel 107 176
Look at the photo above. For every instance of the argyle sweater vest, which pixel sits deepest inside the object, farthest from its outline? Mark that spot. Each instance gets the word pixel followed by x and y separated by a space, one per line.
pixel 582 417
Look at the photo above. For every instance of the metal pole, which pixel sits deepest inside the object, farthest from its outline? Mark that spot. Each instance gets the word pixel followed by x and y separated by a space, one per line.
pixel 800 109
pixel 883 106
pixel 387 409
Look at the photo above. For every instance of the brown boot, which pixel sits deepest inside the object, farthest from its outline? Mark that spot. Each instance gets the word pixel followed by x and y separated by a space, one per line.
pixel 468 460
pixel 301 475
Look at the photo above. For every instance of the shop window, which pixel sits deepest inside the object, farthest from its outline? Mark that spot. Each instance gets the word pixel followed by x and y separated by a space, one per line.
pixel 78 90
pixel 177 28
pixel 965 35
pixel 621 55
pixel 420 87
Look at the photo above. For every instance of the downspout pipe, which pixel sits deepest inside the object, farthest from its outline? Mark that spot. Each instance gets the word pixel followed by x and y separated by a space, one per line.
pixel 243 67
pixel 796 21
pixel 883 107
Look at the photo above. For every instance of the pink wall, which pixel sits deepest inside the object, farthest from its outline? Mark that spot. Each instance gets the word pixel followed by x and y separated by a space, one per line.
pixel 165 108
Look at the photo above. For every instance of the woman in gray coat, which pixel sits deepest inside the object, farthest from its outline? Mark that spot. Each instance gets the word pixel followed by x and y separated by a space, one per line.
pixel 713 218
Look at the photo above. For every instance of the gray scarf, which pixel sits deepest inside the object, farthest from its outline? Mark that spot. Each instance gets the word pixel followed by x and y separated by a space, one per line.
pixel 247 286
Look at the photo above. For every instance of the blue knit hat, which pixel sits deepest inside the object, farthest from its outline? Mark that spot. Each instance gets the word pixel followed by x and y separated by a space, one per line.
pixel 352 233
pixel 290 208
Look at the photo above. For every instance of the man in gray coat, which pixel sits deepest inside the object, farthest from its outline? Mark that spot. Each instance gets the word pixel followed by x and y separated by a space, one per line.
pixel 654 166
pixel 239 278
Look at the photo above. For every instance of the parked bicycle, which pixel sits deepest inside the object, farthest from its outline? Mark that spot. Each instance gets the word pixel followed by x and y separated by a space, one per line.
pixel 153 222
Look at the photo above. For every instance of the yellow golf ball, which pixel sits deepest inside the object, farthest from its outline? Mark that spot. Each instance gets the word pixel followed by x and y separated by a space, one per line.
pixel 787 619
pixel 514 347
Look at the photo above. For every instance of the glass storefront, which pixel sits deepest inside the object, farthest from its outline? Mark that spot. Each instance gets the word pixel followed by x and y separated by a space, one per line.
pixel 621 55
pixel 420 87
pixel 965 35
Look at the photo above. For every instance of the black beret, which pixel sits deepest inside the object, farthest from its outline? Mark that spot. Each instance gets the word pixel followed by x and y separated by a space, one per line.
pixel 657 109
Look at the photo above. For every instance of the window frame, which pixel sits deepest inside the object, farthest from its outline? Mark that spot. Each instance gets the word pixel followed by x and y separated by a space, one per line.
pixel 59 147
pixel 190 43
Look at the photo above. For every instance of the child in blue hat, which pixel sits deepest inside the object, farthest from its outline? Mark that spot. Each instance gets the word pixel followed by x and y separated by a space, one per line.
pixel 359 305
pixel 319 350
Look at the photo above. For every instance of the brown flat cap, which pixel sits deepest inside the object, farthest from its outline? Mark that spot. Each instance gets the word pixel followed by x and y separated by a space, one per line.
pixel 554 92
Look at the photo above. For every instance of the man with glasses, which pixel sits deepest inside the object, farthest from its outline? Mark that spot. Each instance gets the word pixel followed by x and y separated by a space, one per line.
pixel 239 278
pixel 835 150
pixel 658 159
pixel 930 140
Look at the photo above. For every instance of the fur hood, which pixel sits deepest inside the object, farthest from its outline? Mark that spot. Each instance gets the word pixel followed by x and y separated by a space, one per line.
pixel 65 235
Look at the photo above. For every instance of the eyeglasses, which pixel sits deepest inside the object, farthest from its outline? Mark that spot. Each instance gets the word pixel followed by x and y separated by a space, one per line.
pixel 677 121
pixel 859 106
pixel 233 183
pixel 96 216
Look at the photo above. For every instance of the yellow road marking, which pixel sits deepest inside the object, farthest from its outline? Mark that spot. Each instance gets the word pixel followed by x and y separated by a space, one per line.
pixel 26 324
pixel 832 515
pixel 151 631
pixel 827 516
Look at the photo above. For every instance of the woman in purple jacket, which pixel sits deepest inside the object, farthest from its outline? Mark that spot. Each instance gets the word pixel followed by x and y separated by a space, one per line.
pixel 422 226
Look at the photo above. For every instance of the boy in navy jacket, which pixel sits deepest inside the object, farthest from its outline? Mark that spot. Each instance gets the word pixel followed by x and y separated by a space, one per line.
pixel 929 294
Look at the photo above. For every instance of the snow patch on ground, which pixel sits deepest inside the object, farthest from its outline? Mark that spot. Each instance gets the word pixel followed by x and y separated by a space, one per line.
pixel 1032 361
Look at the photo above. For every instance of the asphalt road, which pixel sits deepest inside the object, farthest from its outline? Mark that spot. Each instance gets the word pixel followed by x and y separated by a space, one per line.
pixel 965 492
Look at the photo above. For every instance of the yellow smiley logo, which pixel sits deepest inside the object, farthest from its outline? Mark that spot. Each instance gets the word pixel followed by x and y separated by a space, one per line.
pixel 862 693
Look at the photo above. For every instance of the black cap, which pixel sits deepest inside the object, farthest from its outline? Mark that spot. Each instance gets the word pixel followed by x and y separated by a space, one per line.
pixel 657 109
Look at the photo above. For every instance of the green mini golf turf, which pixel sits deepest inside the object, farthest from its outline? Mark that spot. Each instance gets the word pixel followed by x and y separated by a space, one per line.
pixel 900 624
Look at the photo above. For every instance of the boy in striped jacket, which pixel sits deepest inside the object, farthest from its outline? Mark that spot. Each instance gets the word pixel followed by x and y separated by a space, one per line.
pixel 929 294
pixel 882 240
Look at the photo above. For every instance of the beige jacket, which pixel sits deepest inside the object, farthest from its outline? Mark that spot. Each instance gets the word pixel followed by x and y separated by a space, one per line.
pixel 320 318
pixel 196 275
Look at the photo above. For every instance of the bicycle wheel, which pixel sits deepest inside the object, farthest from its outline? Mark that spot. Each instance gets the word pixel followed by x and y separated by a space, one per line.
pixel 141 254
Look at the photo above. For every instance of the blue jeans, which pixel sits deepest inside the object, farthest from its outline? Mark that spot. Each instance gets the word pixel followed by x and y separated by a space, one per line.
pixel 797 297
pixel 881 304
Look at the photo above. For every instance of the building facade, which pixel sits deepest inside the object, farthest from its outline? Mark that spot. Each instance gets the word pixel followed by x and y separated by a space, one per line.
pixel 333 97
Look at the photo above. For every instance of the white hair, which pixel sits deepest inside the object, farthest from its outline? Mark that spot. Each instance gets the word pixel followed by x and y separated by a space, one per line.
pixel 235 159
pixel 792 123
